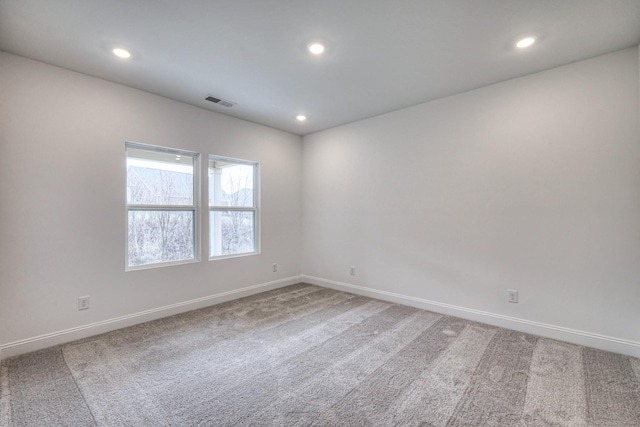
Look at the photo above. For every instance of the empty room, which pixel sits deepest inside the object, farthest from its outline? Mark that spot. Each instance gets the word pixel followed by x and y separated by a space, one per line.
pixel 332 213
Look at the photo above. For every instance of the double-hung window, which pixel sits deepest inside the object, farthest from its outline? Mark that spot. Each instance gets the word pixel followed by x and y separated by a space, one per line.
pixel 162 206
pixel 233 207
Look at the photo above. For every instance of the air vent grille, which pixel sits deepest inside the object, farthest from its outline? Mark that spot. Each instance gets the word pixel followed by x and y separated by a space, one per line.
pixel 220 101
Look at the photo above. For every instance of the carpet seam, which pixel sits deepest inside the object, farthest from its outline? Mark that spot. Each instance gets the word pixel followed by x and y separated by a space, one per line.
pixel 587 390
pixel 526 393
pixel 78 388
pixel 467 392
pixel 5 397
pixel 634 378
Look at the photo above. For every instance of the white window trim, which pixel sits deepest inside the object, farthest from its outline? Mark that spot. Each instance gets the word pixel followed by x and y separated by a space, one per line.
pixel 255 208
pixel 195 207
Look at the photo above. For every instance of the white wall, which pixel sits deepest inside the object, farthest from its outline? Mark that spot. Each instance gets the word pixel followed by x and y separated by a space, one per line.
pixel 530 184
pixel 62 193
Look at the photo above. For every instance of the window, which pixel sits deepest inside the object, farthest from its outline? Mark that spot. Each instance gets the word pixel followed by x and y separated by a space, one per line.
pixel 162 206
pixel 233 207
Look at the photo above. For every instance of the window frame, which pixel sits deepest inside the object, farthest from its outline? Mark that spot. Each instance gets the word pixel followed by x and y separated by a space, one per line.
pixel 255 208
pixel 194 207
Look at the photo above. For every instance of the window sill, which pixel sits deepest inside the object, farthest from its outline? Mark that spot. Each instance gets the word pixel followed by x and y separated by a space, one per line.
pixel 216 258
pixel 159 265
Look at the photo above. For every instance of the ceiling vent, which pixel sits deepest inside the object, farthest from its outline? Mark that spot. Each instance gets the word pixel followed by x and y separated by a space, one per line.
pixel 219 101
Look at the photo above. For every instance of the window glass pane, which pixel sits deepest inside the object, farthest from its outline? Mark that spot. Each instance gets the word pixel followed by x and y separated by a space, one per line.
pixel 159 178
pixel 160 236
pixel 230 184
pixel 231 232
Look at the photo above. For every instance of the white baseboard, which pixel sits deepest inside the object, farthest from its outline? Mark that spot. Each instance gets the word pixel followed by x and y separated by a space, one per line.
pixel 47 340
pixel 603 342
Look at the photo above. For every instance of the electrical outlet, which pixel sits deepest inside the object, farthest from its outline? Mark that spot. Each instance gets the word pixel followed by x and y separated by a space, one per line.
pixel 274 267
pixel 83 303
pixel 512 296
pixel 352 270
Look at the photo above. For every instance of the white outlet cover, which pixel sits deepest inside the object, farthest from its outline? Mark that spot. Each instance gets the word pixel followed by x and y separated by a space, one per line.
pixel 83 303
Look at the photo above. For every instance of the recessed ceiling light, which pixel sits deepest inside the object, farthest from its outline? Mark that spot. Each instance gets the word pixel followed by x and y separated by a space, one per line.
pixel 525 42
pixel 121 53
pixel 301 117
pixel 316 48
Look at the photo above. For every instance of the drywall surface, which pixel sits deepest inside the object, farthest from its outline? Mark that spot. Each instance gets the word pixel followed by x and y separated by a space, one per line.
pixel 62 192
pixel 531 184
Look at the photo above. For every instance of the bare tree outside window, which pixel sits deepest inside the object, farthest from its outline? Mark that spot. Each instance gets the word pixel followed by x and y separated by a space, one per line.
pixel 232 206
pixel 161 206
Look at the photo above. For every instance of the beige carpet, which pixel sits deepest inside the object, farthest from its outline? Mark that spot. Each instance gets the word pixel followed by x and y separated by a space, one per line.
pixel 304 355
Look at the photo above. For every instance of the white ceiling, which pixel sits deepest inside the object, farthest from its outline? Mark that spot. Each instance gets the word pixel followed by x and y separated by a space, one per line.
pixel 382 55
